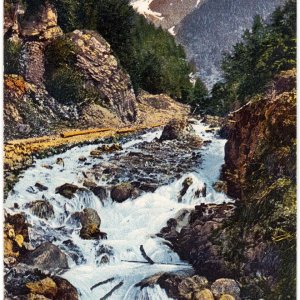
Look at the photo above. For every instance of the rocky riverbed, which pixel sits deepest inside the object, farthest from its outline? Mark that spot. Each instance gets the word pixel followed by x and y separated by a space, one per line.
pixel 112 213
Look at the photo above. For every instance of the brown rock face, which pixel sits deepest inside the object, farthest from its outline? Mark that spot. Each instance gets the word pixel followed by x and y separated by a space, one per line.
pixel 33 62
pixel 43 26
pixel 46 257
pixel 102 70
pixel 194 241
pixel 251 124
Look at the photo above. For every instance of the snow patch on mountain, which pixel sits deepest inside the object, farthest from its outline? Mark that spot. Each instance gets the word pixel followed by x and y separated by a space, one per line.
pixel 142 7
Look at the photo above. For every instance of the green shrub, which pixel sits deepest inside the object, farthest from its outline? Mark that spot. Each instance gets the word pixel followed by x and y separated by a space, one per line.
pixel 67 86
pixel 12 53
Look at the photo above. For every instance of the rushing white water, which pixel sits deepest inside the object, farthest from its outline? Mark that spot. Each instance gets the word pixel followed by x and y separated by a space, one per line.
pixel 128 224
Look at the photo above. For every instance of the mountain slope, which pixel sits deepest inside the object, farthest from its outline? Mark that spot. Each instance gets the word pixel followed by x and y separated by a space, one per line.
pixel 214 27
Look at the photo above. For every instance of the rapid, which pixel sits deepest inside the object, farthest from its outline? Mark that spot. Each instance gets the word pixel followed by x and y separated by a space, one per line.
pixel 117 262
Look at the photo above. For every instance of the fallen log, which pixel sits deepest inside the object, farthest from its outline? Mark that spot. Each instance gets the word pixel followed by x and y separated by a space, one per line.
pixel 102 282
pixel 83 132
pixel 126 130
pixel 151 262
pixel 156 263
pixel 112 290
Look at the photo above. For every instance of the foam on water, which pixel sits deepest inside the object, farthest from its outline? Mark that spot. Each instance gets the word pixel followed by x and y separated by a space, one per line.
pixel 128 224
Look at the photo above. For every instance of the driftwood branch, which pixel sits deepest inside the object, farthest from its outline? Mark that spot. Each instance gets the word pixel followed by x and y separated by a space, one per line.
pixel 157 263
pixel 112 290
pixel 149 260
pixel 102 282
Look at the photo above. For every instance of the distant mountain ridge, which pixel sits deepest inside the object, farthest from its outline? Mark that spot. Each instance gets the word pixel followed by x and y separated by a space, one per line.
pixel 206 28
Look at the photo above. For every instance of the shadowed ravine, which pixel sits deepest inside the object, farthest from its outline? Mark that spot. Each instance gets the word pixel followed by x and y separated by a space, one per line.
pixel 101 268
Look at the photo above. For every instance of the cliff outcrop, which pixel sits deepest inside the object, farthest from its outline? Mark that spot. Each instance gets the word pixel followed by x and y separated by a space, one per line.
pixel 265 121
pixel 66 81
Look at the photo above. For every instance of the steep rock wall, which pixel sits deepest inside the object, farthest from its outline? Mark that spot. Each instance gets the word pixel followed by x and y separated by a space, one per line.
pixel 263 120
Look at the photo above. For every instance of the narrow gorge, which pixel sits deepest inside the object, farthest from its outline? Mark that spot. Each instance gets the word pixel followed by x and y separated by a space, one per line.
pixel 125 177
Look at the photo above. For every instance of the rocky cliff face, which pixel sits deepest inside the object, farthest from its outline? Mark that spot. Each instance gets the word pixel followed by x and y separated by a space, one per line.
pixel 102 70
pixel 265 119
pixel 30 108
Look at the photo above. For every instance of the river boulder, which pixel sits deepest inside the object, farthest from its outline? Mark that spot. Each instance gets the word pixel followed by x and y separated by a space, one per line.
pixel 90 216
pixel 65 290
pixel 41 208
pixel 68 190
pixel 174 130
pixel 226 286
pixel 205 294
pixel 45 287
pixel 27 282
pixel 191 285
pixel 46 257
pixel 90 222
pixel 100 192
pixel 122 192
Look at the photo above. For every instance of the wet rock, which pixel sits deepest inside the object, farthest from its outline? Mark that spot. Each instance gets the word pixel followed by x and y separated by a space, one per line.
pixel 41 187
pixel 46 287
pixel 32 190
pixel 74 219
pixel 205 294
pixel 185 186
pixel 170 282
pixel 122 192
pixel 17 278
pixel 220 186
pixel 226 286
pixel 42 208
pixel 60 161
pixel 20 226
pixel 148 187
pixel 73 251
pixel 15 235
pixel 47 166
pixel 201 191
pixel 90 232
pixel 174 130
pixel 195 241
pixel 89 216
pixel 65 290
pixel 46 257
pixel 100 192
pixel 26 282
pixel 90 222
pixel 96 153
pixel 67 190
pixel 104 253
pixel 190 285
pixel 89 184
pixel 110 148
